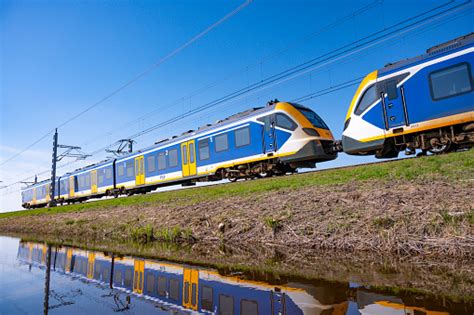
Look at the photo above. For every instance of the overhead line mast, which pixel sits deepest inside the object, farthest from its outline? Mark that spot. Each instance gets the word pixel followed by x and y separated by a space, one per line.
pixel 71 151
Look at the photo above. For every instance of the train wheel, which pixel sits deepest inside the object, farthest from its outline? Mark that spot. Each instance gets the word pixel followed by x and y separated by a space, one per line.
pixel 438 147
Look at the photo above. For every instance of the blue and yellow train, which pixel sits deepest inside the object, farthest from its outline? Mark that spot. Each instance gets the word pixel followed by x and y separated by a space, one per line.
pixel 425 102
pixel 184 289
pixel 271 140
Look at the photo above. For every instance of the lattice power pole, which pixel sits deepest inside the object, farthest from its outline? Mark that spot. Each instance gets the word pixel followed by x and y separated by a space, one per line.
pixel 52 202
pixel 71 151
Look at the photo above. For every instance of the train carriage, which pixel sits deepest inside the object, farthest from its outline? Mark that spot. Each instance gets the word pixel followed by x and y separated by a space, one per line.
pixel 266 141
pixel 425 103
pixel 187 288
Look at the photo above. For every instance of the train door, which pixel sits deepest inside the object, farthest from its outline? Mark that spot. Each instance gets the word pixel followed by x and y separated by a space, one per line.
pixel 190 288
pixel 139 170
pixel 188 158
pixel 394 104
pixel 43 256
pixel 138 276
pixel 90 265
pixel 71 187
pixel 48 188
pixel 33 201
pixel 269 144
pixel 94 181
pixel 278 300
pixel 68 265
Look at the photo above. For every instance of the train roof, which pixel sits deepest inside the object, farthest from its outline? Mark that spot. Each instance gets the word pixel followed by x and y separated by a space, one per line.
pixel 433 52
pixel 205 128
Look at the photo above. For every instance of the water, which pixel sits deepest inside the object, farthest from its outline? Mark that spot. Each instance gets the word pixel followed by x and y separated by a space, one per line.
pixel 36 278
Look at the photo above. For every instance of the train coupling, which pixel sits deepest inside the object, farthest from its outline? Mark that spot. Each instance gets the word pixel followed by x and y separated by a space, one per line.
pixel 337 146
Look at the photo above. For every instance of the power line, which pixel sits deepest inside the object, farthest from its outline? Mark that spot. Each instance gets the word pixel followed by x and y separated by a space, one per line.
pixel 300 69
pixel 138 76
pixel 27 148
pixel 353 14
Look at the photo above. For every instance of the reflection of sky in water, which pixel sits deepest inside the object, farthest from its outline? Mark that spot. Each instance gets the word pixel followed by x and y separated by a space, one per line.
pixel 22 288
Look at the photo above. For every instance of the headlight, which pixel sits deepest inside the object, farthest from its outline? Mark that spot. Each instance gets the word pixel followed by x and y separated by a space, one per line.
pixel 311 132
pixel 346 124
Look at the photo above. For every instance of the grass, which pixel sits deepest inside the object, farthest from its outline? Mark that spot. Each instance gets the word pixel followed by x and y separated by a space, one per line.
pixel 147 234
pixel 453 166
pixel 272 223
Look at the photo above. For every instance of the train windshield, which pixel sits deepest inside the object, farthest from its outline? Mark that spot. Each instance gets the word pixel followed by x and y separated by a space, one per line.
pixel 313 118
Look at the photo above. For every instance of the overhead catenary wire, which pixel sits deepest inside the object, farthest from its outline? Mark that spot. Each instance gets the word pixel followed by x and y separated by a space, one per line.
pixel 353 14
pixel 135 78
pixel 322 60
pixel 271 55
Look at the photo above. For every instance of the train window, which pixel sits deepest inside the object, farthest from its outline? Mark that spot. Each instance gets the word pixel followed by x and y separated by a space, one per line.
pixel 248 307
pixel 120 170
pixel 184 154
pixel 105 275
pixel 369 97
pixel 161 161
pixel 226 305
pixel 242 137
pixel 97 270
pixel 128 278
pixel 389 86
pixel 186 292
pixel 129 167
pixel 267 120
pixel 108 173
pixel 100 178
pixel 174 289
pixel 285 122
pixel 81 182
pixel 451 81
pixel 150 163
pixel 391 89
pixel 313 118
pixel 207 298
pixel 191 153
pixel 173 157
pixel 118 277
pixel 221 142
pixel 161 286
pixel 203 146
pixel 193 294
pixel 150 282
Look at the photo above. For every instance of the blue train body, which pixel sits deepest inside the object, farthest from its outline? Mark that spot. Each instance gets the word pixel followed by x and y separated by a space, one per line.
pixel 185 288
pixel 423 103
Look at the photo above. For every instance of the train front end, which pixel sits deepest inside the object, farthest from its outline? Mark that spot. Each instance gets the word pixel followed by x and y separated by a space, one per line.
pixel 312 142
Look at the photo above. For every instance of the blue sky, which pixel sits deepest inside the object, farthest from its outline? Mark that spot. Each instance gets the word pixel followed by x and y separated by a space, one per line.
pixel 59 57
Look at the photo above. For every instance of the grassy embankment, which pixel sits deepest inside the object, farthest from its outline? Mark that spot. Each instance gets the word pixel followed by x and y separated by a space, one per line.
pixel 419 205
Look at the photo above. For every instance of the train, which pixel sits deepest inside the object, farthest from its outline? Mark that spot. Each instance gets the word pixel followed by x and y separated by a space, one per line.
pixel 424 103
pixel 186 289
pixel 266 141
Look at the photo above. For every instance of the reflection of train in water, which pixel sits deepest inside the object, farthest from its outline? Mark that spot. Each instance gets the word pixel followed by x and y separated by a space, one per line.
pixel 189 289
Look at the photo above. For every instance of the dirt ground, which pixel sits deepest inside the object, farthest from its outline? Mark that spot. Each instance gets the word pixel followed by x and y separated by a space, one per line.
pixel 425 217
